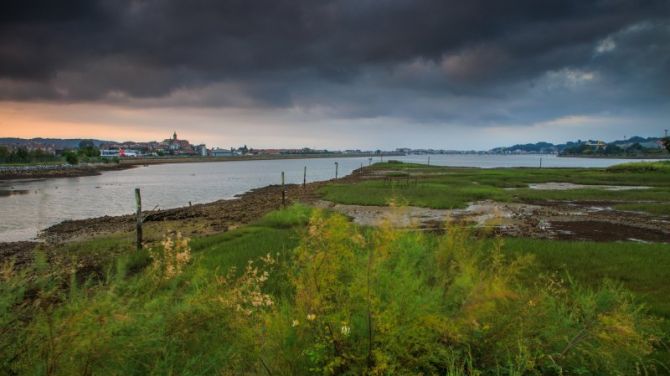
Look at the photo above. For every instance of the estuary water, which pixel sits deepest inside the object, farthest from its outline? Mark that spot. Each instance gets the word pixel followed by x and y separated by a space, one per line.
pixel 29 206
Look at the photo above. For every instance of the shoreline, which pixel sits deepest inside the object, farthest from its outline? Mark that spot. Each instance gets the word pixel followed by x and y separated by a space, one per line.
pixel 69 171
pixel 207 218
pixel 57 171
pixel 642 157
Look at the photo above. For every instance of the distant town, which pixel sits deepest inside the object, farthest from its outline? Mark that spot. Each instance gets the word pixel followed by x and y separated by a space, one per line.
pixel 173 146
pixel 16 150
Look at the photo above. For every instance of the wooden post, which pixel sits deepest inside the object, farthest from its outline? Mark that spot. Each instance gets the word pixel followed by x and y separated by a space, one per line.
pixel 138 223
pixel 336 166
pixel 540 162
pixel 304 177
pixel 283 190
pixel 429 160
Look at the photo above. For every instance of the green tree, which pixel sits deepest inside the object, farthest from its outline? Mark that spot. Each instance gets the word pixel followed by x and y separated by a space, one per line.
pixel 612 149
pixel 666 143
pixel 71 157
pixel 4 153
pixel 20 155
pixel 88 149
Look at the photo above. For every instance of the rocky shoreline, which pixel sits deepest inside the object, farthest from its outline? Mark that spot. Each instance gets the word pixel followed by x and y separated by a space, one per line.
pixel 200 219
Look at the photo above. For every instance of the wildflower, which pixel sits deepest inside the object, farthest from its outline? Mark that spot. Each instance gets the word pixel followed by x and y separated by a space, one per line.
pixel 172 259
pixel 311 317
pixel 295 323
pixel 345 330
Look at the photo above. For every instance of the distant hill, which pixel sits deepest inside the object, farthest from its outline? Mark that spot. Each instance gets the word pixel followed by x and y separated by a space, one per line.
pixel 549 148
pixel 540 147
pixel 59 143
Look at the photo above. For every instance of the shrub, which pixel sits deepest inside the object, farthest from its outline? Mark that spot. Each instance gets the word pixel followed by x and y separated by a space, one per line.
pixel 359 301
pixel 71 157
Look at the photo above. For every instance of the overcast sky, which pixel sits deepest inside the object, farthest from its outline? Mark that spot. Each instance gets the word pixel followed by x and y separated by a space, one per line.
pixel 336 74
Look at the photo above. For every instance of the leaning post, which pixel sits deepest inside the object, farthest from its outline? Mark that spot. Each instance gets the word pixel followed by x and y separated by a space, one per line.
pixel 283 190
pixel 138 222
pixel 304 177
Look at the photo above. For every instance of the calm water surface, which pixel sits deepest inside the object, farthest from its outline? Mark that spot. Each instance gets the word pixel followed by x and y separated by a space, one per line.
pixel 28 206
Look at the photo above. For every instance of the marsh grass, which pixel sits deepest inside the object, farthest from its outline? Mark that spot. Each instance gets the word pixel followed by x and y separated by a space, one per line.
pixel 447 187
pixel 307 292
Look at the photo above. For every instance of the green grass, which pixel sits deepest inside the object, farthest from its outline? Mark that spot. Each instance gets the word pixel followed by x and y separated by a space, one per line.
pixel 642 268
pixel 658 209
pixel 662 166
pixel 276 232
pixel 445 187
pixel 56 162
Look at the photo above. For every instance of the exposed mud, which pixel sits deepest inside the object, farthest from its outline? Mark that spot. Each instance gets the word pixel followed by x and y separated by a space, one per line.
pixel 20 252
pixel 606 231
pixel 555 220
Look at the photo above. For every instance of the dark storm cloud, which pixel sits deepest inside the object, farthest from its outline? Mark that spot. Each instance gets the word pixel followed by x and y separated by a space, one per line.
pixel 429 59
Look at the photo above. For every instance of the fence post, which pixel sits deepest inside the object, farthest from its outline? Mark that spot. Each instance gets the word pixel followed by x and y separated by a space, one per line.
pixel 283 190
pixel 429 160
pixel 138 223
pixel 304 177
pixel 336 166
pixel 540 162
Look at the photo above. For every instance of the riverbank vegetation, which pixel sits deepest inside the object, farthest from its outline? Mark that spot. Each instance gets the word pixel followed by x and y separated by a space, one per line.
pixel 307 291
pixel 304 291
pixel 23 156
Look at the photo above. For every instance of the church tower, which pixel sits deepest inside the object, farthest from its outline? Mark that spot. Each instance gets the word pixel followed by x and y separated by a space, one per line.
pixel 174 136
